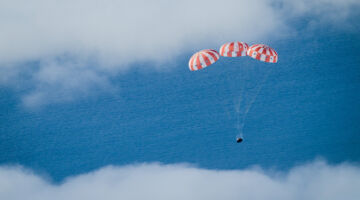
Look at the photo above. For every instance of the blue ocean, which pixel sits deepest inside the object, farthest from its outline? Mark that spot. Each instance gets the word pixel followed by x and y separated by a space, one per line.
pixel 307 108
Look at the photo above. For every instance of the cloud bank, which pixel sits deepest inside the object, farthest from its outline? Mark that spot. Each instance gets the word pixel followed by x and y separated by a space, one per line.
pixel 317 180
pixel 121 32
pixel 104 38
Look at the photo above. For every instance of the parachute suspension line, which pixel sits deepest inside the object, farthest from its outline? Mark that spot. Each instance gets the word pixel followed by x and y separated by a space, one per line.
pixel 241 102
pixel 237 109
pixel 228 82
pixel 258 90
pixel 237 100
pixel 248 107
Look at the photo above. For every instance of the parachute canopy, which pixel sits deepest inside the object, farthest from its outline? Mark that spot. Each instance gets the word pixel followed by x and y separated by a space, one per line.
pixel 263 53
pixel 234 49
pixel 203 59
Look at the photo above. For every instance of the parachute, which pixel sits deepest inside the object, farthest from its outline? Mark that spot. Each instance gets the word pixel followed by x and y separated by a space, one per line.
pixel 203 58
pixel 263 53
pixel 247 95
pixel 234 49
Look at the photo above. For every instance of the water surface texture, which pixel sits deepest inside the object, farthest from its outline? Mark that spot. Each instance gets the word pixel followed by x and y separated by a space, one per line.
pixel 308 107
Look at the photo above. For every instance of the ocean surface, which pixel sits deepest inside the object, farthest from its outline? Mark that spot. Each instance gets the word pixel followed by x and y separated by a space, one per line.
pixel 307 108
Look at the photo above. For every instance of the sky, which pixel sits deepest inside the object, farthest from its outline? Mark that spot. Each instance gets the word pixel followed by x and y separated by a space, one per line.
pixel 97 100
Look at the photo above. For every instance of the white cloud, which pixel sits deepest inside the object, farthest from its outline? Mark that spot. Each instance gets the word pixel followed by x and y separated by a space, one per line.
pixel 323 12
pixel 120 32
pixel 317 180
pixel 105 37
pixel 61 81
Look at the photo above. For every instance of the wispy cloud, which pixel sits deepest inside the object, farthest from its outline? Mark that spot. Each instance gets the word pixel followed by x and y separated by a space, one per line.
pixel 335 13
pixel 103 38
pixel 62 81
pixel 317 180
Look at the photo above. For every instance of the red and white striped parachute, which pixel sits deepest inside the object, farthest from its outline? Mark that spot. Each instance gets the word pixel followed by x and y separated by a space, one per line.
pixel 260 52
pixel 263 53
pixel 234 49
pixel 203 59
